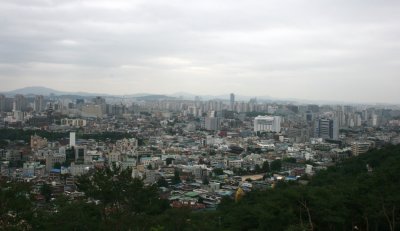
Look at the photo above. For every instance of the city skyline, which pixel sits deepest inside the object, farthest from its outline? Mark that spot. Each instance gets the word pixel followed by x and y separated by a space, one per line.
pixel 319 50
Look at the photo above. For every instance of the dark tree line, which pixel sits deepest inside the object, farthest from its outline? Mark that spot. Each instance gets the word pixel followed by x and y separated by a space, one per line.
pixel 25 135
pixel 361 193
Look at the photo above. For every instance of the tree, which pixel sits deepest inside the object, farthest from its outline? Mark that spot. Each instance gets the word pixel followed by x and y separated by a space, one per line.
pixel 290 160
pixel 16 210
pixel 169 161
pixel 176 179
pixel 257 168
pixel 162 182
pixel 276 165
pixel 46 191
pixel 218 171
pixel 77 215
pixel 57 165
pixel 205 180
pixel 265 167
pixel 120 195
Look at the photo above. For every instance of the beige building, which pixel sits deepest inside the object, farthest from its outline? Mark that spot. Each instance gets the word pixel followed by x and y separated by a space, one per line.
pixel 38 142
pixel 358 148
pixel 91 110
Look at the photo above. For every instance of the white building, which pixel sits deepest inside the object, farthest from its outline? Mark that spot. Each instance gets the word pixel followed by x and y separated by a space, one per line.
pixel 267 123
pixel 72 137
pixel 73 122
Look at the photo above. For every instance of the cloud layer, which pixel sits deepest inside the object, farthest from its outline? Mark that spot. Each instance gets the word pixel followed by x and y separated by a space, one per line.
pixel 311 49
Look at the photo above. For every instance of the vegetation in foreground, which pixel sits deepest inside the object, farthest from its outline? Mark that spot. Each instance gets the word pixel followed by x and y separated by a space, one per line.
pixel 361 193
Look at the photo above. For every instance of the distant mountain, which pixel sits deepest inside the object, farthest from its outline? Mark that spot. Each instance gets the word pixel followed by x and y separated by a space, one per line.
pixel 35 91
pixel 154 97
pixel 46 92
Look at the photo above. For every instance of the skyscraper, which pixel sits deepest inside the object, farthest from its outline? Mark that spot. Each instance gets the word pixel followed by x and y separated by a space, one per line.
pixel 39 103
pixel 72 139
pixel 2 103
pixel 232 102
pixel 19 103
pixel 327 128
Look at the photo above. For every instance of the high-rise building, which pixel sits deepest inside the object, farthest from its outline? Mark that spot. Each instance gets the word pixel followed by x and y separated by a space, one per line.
pixel 212 123
pixel 2 103
pixel 327 128
pixel 232 102
pixel 374 120
pixel 19 103
pixel 39 103
pixel 267 123
pixel 101 102
pixel 72 139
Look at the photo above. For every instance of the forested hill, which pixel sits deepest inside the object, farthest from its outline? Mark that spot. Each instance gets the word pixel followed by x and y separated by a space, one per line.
pixel 362 193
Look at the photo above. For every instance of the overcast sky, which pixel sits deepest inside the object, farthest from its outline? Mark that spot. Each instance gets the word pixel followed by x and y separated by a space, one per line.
pixel 309 49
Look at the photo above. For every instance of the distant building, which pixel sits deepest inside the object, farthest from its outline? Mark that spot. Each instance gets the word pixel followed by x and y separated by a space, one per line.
pixel 38 142
pixel 212 123
pixel 72 137
pixel 2 103
pixel 327 128
pixel 19 103
pixel 73 122
pixel 38 105
pixel 358 148
pixel 92 111
pixel 232 102
pixel 52 159
pixel 267 123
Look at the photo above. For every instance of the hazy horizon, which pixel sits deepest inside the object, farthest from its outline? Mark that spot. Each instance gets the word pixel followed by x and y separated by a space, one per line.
pixel 314 50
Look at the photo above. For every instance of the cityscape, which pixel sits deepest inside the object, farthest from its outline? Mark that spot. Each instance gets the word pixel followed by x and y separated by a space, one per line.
pixel 195 152
pixel 275 115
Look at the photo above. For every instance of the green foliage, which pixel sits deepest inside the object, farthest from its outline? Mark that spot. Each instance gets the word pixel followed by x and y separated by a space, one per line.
pixel 77 215
pixel 16 210
pixel 57 165
pixel 218 171
pixel 265 167
pixel 3 143
pixel 339 198
pixel 176 179
pixel 169 161
pixel 25 135
pixel 162 182
pixel 342 197
pixel 255 114
pixel 206 181
pixel 290 160
pixel 46 191
pixel 257 169
pixel 276 165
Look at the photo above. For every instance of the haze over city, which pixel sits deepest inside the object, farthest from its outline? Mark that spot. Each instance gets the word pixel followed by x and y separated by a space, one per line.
pixel 206 115
pixel 325 50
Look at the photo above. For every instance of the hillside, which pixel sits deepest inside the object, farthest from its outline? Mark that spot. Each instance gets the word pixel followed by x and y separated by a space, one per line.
pixel 361 193
pixel 345 197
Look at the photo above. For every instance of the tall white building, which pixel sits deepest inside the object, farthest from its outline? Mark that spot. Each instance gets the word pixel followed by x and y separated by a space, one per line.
pixel 72 139
pixel 267 123
pixel 38 104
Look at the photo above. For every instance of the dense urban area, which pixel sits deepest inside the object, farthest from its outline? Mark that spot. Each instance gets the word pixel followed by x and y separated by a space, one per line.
pixel 161 163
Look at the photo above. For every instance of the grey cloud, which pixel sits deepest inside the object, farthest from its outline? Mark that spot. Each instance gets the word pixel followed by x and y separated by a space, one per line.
pixel 167 46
